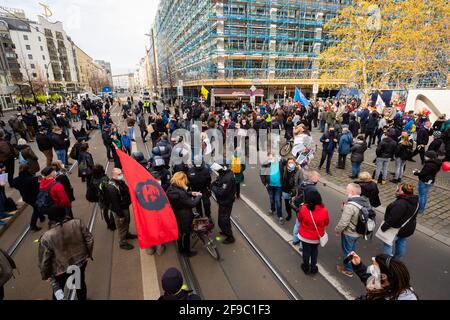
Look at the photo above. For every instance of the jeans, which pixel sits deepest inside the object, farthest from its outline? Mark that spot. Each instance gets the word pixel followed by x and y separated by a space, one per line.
pixel 400 248
pixel 61 155
pixel 356 168
pixel 275 200
pixel 296 227
pixel 423 195
pixel 348 244
pixel 399 168
pixel 322 125
pixel 131 133
pixel 382 164
pixel 342 158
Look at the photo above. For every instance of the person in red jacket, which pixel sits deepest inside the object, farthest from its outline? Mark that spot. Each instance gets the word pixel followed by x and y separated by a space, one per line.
pixel 314 219
pixel 57 192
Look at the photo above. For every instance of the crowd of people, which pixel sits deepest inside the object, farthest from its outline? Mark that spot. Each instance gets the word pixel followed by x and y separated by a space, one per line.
pixel 346 126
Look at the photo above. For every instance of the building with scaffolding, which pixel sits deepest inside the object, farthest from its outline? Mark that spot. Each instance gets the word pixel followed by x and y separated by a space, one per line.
pixel 271 44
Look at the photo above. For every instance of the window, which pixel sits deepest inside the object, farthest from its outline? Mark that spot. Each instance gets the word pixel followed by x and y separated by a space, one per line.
pixel 25 37
pixel 34 75
pixel 33 66
pixel 28 47
pixel 39 38
pixel 42 48
pixel 30 56
pixel 43 57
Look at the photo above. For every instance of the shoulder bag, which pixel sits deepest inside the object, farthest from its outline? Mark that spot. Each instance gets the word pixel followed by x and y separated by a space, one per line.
pixel 389 235
pixel 323 240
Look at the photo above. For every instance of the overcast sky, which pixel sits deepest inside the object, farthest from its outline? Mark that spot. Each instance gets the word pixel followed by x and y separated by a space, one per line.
pixel 111 30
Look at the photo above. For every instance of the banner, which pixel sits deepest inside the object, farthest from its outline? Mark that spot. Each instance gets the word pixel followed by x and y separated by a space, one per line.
pixel 205 93
pixel 299 97
pixel 155 221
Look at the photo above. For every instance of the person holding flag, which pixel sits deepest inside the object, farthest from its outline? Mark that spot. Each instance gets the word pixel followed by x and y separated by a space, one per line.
pixel 205 93
pixel 300 97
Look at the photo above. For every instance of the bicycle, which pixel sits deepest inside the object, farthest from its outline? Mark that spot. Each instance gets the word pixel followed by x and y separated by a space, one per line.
pixel 202 231
pixel 287 148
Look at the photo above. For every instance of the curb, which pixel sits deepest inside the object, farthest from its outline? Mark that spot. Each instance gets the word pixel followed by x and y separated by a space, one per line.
pixel 19 211
pixel 427 231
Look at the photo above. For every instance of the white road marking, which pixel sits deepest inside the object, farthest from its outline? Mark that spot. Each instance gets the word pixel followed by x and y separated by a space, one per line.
pixel 150 283
pixel 288 238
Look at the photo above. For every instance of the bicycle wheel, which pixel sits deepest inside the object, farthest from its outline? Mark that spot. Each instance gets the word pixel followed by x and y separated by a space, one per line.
pixel 286 149
pixel 209 245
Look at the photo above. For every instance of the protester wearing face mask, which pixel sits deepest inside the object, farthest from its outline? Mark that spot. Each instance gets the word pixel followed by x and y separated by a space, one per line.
pixel 119 199
pixel 292 176
pixel 386 279
pixel 271 179
pixel 329 141
pixel 200 181
pixel 423 138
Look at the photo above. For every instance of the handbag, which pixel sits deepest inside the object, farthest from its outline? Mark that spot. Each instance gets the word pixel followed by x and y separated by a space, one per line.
pixel 323 240
pixel 389 235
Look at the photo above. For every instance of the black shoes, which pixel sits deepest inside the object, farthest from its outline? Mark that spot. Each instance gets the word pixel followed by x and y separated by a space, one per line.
pixel 314 270
pixel 35 229
pixel 189 254
pixel 288 218
pixel 310 269
pixel 305 268
pixel 229 240
pixel 131 236
pixel 126 246
pixel 42 219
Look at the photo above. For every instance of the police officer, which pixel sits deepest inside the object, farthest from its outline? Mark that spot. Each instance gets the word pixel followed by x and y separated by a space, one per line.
pixel 200 181
pixel 224 188
pixel 160 172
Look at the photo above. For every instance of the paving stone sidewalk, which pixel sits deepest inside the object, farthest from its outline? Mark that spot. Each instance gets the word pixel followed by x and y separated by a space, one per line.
pixel 437 213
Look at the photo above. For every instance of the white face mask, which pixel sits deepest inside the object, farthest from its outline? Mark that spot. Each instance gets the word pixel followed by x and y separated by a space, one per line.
pixel 120 178
pixel 374 281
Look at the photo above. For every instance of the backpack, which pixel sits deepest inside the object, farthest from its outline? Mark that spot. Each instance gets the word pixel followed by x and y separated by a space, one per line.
pixel 7 266
pixel 442 152
pixel 366 221
pixel 236 167
pixel 43 200
pixel 22 160
pixel 83 168
pixel 75 152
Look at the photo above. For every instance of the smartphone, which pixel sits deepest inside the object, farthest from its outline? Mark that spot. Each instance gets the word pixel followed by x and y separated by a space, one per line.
pixel 348 259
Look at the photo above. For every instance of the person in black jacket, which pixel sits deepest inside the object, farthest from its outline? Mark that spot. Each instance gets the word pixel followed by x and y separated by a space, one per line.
pixel 354 126
pixel 369 189
pixel 28 186
pixel 172 284
pixel 45 145
pixel 182 203
pixel 423 138
pixel 385 152
pixel 119 199
pixel 291 178
pixel 85 164
pixel 371 128
pixel 329 141
pixel 357 157
pixel 200 181
pixel 402 153
pixel 427 177
pixel 224 188
pixel 403 210
pixel 60 143
pixel 107 142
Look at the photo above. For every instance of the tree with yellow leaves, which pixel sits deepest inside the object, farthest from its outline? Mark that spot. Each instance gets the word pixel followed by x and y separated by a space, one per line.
pixel 380 44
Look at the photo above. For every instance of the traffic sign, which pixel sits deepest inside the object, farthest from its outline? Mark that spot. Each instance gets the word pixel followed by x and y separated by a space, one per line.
pixel 316 88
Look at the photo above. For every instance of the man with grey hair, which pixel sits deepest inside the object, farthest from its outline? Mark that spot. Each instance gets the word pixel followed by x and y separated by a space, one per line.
pixel 346 227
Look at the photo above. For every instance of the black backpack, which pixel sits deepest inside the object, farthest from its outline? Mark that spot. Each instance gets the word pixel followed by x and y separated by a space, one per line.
pixel 43 200
pixel 366 221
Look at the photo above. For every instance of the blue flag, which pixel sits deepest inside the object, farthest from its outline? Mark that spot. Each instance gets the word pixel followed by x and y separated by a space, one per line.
pixel 299 97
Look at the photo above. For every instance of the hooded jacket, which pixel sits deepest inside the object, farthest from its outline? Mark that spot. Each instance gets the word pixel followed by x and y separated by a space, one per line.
pixel 57 192
pixel 349 219
pixel 182 204
pixel 357 150
pixel 429 171
pixel 370 190
pixel 399 211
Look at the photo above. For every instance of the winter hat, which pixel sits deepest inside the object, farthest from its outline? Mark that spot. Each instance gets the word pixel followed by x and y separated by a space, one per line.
pixel 21 142
pixel 172 281
pixel 431 154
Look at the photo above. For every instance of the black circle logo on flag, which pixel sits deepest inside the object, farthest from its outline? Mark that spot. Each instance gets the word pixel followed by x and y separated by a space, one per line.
pixel 149 196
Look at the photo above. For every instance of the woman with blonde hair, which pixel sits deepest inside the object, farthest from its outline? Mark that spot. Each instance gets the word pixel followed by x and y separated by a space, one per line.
pixel 182 203
pixel 369 189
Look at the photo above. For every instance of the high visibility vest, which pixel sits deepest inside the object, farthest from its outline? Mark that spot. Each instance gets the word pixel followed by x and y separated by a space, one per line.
pixel 88 116
pixel 269 118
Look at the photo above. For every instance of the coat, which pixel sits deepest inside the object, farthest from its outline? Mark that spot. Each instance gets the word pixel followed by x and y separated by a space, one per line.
pixel 345 143
pixel 386 148
pixel 30 157
pixel 28 186
pixel 57 193
pixel 398 212
pixel 307 231
pixel 182 205
pixel 429 171
pixel 370 191
pixel 224 188
pixel 329 146
pixel 118 196
pixel 357 151
pixel 44 142
pixel 60 141
pixel 199 178
pixel 64 245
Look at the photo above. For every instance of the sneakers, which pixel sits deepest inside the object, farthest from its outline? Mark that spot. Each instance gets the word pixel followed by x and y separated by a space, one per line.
pixel 296 243
pixel 342 270
pixel 151 251
pixel 288 218
pixel 229 240
pixel 281 220
pixel 270 213
pixel 314 270
pixel 126 246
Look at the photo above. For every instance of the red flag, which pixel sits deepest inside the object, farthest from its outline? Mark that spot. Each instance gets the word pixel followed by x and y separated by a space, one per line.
pixel 155 221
